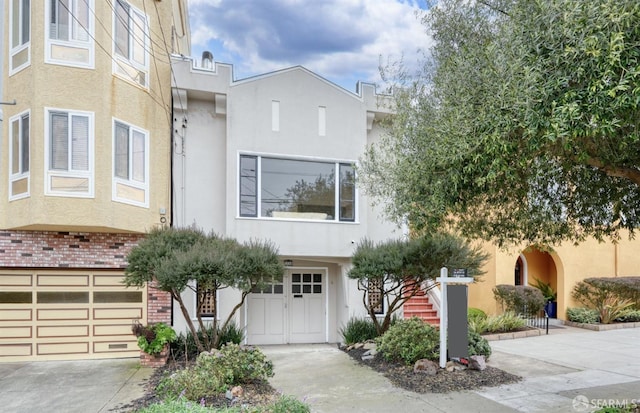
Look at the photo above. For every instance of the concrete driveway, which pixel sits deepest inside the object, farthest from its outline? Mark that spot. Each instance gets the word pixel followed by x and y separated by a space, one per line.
pixel 85 386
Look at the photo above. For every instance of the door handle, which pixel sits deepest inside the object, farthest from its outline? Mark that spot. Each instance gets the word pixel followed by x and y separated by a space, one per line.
pixel 297 296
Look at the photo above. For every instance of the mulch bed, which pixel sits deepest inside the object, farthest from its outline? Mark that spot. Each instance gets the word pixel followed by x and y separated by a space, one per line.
pixel 443 382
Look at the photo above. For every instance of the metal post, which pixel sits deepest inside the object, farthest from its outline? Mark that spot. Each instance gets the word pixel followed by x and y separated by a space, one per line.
pixel 443 317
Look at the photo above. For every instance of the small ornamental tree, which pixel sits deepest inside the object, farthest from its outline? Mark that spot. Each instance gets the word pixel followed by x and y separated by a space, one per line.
pixel 175 257
pixel 397 269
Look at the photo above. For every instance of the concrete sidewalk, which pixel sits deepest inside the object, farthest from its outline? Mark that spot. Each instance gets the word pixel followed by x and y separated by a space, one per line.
pixel 84 386
pixel 569 370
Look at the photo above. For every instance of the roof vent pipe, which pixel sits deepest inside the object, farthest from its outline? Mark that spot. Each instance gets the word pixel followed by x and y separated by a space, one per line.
pixel 207 60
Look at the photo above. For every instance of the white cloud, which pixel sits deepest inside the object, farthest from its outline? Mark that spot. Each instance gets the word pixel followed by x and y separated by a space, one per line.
pixel 341 40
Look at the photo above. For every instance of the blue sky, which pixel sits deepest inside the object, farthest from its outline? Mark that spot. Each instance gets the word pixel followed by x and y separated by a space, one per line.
pixel 341 40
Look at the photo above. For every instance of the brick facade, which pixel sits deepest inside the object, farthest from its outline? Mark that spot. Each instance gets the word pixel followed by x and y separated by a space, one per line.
pixel 82 250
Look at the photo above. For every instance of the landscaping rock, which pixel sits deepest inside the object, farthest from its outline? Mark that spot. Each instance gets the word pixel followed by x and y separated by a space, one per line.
pixel 477 363
pixel 358 345
pixel 450 366
pixel 369 346
pixel 426 367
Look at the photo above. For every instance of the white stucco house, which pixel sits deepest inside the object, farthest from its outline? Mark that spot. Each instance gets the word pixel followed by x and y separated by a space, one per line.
pixel 272 157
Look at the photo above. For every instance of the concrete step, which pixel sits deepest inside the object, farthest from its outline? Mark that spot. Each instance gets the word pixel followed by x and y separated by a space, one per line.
pixel 420 314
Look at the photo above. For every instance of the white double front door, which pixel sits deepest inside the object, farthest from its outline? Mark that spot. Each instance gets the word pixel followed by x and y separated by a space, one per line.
pixel 294 311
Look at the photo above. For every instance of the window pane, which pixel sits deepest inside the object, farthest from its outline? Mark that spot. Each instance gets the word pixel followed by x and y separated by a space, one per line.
pixel 137 161
pixel 15 146
pixel 15 23
pixel 25 144
pixel 80 143
pixel 317 289
pixel 306 289
pixel 121 151
pixel 63 8
pixel 301 189
pixel 306 278
pixel 295 278
pixel 81 21
pixel 26 12
pixel 347 193
pixel 15 297
pixel 277 289
pixel 59 141
pixel 62 297
pixel 122 29
pixel 138 39
pixel 117 297
pixel 248 186
pixel 295 289
pixel 317 278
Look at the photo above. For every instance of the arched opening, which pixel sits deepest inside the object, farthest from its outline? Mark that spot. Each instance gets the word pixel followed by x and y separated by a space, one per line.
pixel 534 265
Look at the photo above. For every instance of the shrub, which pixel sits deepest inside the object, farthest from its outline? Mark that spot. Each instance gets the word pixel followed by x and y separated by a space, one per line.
pixel 477 325
pixel 184 347
pixel 519 298
pixel 288 404
pixel 153 338
pixel 180 405
pixel 409 341
pixel 629 316
pixel 358 330
pixel 478 345
pixel 215 372
pixel 611 308
pixel 582 315
pixel 504 322
pixel 592 291
pixel 475 313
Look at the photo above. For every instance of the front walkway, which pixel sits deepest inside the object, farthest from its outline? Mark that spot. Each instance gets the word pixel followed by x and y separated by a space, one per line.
pixel 567 368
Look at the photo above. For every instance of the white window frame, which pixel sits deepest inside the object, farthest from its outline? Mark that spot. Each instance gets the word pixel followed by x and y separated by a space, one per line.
pixel 74 27
pixel 125 66
pixel 23 45
pixel 130 182
pixel 70 172
pixel 260 156
pixel 21 174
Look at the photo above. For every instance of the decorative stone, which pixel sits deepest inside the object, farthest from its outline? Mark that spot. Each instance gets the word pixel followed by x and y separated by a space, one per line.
pixel 477 363
pixel 450 366
pixel 237 391
pixel 358 345
pixel 369 346
pixel 367 357
pixel 426 367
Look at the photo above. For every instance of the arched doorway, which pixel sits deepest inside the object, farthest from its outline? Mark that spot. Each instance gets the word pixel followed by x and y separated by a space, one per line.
pixel 534 265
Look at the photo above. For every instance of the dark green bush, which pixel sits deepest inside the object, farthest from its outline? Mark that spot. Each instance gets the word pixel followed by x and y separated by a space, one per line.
pixel 184 347
pixel 409 341
pixel 217 371
pixel 475 313
pixel 519 299
pixel 358 330
pixel 478 345
pixel 582 315
pixel 591 292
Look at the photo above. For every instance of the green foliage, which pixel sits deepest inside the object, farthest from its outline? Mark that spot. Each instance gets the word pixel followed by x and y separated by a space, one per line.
pixel 174 257
pixel 358 330
pixel 519 298
pixel 539 145
pixel 399 267
pixel 629 316
pixel 409 341
pixel 184 347
pixel 610 297
pixel 502 323
pixel 215 372
pixel 153 338
pixel 283 404
pixel 582 315
pixel 288 404
pixel 547 291
pixel 478 345
pixel 475 314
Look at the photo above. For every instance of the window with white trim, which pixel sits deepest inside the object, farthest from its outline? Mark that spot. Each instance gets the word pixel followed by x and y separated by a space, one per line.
pixel 69 148
pixel 296 189
pixel 70 32
pixel 131 43
pixel 19 35
pixel 19 159
pixel 130 164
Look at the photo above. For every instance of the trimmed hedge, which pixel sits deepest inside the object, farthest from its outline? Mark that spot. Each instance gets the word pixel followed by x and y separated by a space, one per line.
pixel 519 298
pixel 592 291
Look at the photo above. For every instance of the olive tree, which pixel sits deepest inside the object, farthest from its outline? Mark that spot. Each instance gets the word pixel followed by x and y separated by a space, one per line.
pixel 186 259
pixel 523 125
pixel 397 269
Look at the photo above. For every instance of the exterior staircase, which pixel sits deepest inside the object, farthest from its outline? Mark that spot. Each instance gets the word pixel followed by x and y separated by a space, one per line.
pixel 421 307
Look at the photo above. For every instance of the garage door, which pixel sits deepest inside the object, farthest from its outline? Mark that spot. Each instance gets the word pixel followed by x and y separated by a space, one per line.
pixel 68 315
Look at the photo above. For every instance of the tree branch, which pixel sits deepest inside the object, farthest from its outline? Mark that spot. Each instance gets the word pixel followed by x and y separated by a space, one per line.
pixel 632 174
